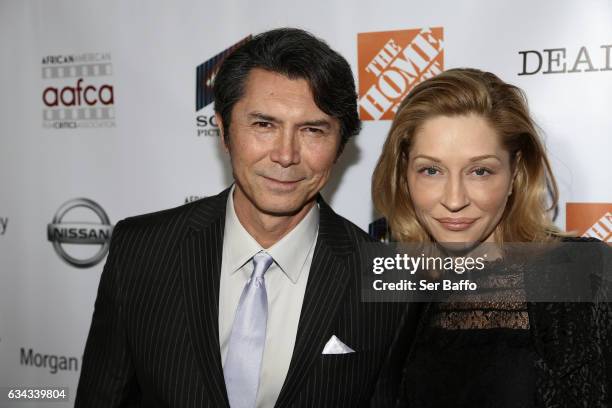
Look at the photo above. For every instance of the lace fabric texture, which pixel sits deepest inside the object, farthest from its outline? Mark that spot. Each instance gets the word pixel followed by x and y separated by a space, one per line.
pixel 474 350
pixel 466 316
pixel 500 302
pixel 486 350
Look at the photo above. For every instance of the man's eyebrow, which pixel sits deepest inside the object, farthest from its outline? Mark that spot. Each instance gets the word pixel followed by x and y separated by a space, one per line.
pixel 317 122
pixel 263 116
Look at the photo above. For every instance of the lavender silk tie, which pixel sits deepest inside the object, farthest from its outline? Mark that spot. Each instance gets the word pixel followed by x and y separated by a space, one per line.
pixel 247 340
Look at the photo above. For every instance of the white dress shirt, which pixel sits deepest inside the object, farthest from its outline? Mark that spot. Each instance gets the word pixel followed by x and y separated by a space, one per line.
pixel 285 286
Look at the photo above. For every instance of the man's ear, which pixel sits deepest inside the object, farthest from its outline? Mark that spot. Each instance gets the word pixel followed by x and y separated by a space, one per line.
pixel 222 134
pixel 339 152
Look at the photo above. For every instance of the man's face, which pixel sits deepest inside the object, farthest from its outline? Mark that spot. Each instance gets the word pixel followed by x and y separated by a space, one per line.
pixel 282 146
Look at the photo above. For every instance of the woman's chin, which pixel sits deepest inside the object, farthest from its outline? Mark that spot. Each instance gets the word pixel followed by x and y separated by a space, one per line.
pixel 456 238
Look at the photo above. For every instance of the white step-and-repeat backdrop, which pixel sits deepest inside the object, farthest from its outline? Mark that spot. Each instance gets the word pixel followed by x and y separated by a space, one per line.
pixel 105 112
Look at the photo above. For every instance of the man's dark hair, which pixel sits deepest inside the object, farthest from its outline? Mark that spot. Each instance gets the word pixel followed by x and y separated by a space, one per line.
pixel 296 54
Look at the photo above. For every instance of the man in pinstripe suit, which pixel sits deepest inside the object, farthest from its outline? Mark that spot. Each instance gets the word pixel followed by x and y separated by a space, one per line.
pixel 173 289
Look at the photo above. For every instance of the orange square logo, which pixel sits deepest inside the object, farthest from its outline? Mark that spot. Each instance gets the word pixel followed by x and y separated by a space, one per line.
pixel 590 219
pixel 391 63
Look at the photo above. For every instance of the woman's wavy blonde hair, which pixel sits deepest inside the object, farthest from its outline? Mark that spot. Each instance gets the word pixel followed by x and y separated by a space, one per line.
pixel 461 92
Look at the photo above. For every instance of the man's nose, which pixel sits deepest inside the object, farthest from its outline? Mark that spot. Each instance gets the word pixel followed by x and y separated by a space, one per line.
pixel 286 150
pixel 455 195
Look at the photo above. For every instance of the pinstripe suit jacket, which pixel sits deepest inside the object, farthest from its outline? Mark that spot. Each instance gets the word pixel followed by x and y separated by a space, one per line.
pixel 154 337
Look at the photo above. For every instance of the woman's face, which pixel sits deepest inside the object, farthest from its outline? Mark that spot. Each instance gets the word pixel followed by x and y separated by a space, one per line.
pixel 460 177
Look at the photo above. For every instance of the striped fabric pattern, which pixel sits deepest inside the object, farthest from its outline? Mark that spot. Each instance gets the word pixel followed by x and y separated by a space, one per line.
pixel 154 338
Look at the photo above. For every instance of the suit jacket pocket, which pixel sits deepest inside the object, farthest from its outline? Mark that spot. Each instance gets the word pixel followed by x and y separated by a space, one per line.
pixel 358 363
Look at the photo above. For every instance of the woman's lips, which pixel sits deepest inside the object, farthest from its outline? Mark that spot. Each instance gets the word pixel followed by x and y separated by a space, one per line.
pixel 456 224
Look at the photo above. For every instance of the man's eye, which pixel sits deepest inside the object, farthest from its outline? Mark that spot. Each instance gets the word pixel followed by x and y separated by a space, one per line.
pixel 263 125
pixel 313 130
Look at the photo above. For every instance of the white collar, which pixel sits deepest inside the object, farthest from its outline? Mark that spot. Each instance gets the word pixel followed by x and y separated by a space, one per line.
pixel 290 253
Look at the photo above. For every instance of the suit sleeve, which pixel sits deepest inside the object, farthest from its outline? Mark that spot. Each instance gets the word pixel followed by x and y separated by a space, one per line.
pixel 107 374
pixel 389 385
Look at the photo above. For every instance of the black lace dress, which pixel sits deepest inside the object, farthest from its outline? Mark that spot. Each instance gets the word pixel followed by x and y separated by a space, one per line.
pixel 554 351
pixel 474 353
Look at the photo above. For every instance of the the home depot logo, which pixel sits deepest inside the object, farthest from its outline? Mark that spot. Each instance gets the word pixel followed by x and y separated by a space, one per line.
pixel 590 220
pixel 391 63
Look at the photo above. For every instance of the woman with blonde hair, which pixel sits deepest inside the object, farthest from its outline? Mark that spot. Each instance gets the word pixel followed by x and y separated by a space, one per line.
pixel 463 163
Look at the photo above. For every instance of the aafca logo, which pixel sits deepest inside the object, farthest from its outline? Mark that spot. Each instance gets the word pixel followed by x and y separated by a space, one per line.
pixel 77 91
pixel 590 220
pixel 391 63
pixel 205 76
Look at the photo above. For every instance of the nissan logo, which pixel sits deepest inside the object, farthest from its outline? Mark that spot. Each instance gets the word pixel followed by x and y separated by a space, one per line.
pixel 82 233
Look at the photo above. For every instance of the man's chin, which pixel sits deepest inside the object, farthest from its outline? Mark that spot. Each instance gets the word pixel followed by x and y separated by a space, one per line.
pixel 282 213
pixel 281 210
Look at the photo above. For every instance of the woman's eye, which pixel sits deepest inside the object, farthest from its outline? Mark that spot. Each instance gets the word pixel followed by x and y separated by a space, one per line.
pixel 481 171
pixel 429 171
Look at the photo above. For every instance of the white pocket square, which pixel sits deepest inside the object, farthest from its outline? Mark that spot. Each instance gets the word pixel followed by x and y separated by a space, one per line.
pixel 335 346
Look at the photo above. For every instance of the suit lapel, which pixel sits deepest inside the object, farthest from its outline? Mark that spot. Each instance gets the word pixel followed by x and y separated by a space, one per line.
pixel 327 281
pixel 201 253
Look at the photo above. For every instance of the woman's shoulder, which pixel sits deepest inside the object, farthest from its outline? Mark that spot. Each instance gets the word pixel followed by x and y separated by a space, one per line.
pixel 588 248
pixel 584 249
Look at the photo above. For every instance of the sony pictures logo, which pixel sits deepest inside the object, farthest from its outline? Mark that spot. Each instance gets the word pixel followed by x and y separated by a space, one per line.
pixel 89 231
pixel 205 76
pixel 379 230
pixel 77 92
